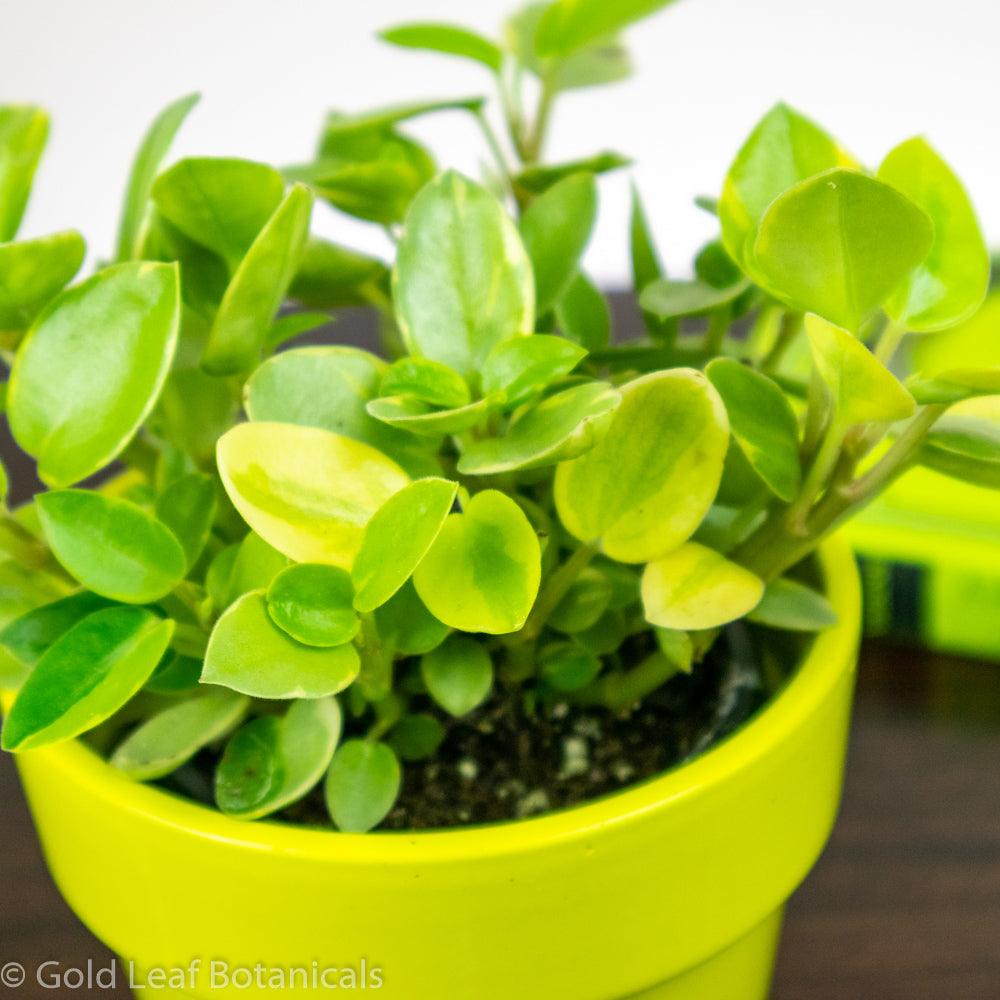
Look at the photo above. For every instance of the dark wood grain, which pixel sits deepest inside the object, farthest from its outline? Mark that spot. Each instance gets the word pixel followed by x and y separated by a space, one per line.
pixel 904 905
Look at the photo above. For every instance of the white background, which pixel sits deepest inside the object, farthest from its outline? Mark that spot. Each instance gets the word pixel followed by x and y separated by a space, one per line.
pixel 872 71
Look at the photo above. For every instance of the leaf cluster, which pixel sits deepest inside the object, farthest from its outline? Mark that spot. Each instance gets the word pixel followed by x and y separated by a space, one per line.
pixel 312 560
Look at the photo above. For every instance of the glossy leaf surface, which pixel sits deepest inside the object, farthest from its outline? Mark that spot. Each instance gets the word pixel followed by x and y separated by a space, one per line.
pixel 91 368
pixel 306 491
pixel 113 547
pixel 458 674
pixel 176 733
pixel 248 653
pixel 951 283
pixel 312 603
pixel 839 245
pixel 362 785
pixel 483 570
pixel 397 538
pixel 763 424
pixel 462 282
pixel 694 587
pixel 32 272
pixel 86 676
pixel 272 762
pixel 641 490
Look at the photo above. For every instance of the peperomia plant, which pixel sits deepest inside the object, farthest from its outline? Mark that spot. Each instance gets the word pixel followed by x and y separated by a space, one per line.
pixel 301 563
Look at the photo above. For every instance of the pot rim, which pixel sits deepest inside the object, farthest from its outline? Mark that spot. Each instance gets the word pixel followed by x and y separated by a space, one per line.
pixel 832 652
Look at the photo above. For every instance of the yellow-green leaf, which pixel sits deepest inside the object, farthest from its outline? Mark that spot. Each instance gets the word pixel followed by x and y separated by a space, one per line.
pixel 861 387
pixel 483 570
pixel 305 490
pixel 248 653
pixel 951 283
pixel 646 485
pixel 695 587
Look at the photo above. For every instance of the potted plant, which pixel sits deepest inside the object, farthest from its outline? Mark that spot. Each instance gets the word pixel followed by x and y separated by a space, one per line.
pixel 554 617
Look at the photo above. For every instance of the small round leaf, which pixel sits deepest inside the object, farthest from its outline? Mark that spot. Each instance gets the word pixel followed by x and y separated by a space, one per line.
pixel 312 603
pixel 362 785
pixel 458 674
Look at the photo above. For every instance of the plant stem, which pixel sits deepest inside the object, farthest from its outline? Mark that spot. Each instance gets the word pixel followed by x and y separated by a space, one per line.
pixel 553 592
pixel 718 327
pixel 375 676
pixel 535 141
pixel 496 150
pixel 817 477
pixel 888 342
pixel 791 323
pixel 616 691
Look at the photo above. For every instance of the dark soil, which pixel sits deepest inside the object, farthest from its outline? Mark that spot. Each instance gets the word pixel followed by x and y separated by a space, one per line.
pixel 506 761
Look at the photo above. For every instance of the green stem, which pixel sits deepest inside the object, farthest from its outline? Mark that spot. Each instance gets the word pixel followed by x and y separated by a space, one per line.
pixel 535 141
pixel 791 324
pixel 888 342
pixel 818 476
pixel 495 149
pixel 718 327
pixel 553 592
pixel 375 676
pixel 617 691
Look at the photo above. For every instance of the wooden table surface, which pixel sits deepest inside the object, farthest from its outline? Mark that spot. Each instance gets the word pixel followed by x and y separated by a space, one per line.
pixel 904 904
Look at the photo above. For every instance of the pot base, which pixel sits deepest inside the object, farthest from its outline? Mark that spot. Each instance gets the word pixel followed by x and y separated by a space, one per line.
pixel 741 972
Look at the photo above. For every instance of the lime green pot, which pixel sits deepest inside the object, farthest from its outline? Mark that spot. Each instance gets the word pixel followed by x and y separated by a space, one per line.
pixel 673 889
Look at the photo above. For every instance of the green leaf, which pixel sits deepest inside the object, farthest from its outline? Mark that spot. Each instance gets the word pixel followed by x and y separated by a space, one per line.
pixel 567 667
pixel 271 763
pixel 539 178
pixel 378 121
pixel 330 387
pixel 417 736
pixel 27 637
pixel 187 507
pixel 293 325
pixel 32 272
pixel 411 415
pixel 331 276
pixel 588 597
pixel 175 674
pixel 839 244
pixel 89 372
pixel 523 367
pixel 407 625
pixel 645 258
pixel 462 282
pixel 426 381
pixel 784 148
pixel 458 674
pixel 362 785
pixel 561 427
pixel 397 538
pixel 647 484
pixel 791 605
pixel 196 409
pixel 606 61
pixel 312 603
pixel 113 547
pixel 861 387
pixel 556 228
pixel 378 190
pixel 250 565
pixel 583 314
pixel 763 424
pixel 570 25
pixel 449 39
pixel 955 385
pixel 258 287
pixel 86 676
pixel 951 283
pixel 666 299
pixel 715 267
pixel 175 734
pixel 154 147
pixel 304 490
pixel 23 132
pixel 220 203
pixel 247 652
pixel 695 587
pixel 965 448
pixel 483 570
